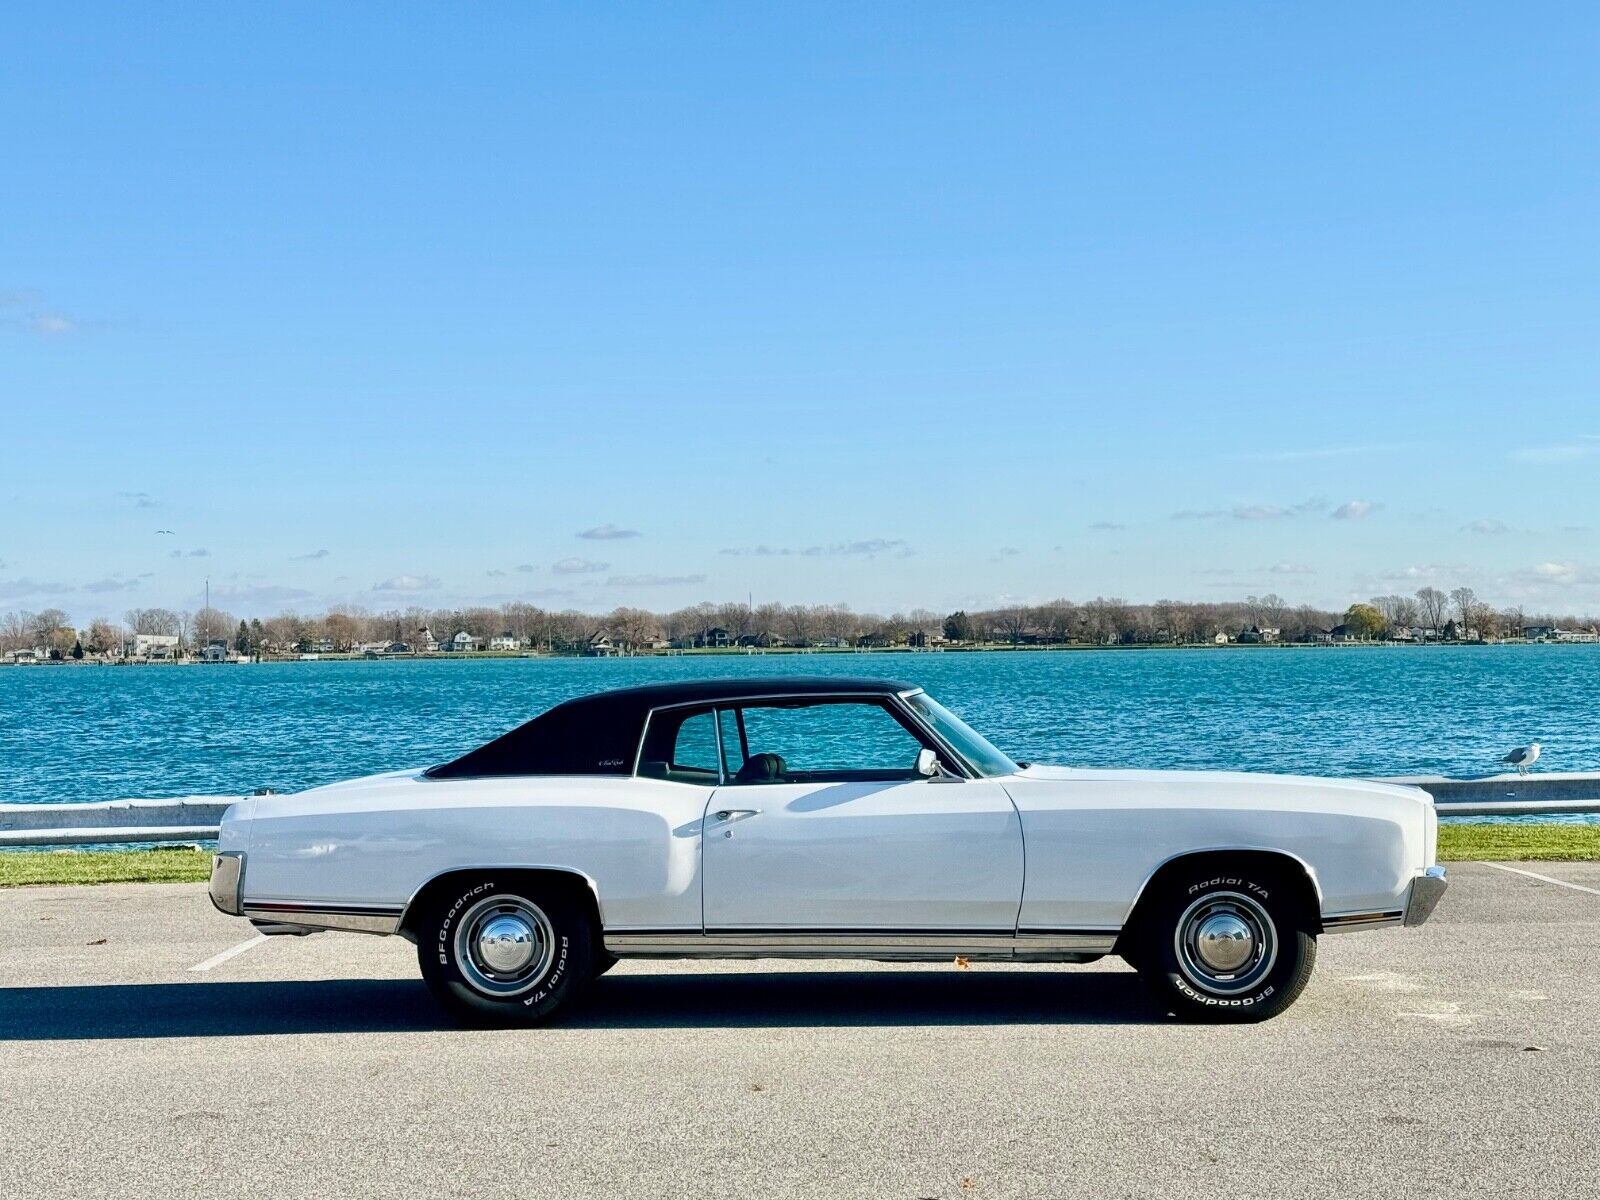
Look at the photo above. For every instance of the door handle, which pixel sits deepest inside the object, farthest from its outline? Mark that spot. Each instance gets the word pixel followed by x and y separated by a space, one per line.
pixel 728 814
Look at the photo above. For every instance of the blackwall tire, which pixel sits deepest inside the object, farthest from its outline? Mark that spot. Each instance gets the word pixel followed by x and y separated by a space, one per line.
pixel 503 950
pixel 1228 945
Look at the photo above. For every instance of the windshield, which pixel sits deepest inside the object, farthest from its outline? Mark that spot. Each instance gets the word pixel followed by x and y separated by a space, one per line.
pixel 966 741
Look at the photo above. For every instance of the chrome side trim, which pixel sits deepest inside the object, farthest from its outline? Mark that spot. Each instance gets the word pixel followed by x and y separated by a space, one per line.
pixel 1426 889
pixel 1352 921
pixel 227 878
pixel 350 918
pixel 888 944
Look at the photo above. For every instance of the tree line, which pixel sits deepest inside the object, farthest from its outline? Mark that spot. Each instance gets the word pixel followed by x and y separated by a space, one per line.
pixel 1100 621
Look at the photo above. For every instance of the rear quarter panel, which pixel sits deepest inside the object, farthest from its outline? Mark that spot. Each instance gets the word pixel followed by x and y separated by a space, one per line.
pixel 377 842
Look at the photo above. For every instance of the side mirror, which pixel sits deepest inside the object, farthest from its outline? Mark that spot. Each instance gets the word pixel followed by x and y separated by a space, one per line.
pixel 934 771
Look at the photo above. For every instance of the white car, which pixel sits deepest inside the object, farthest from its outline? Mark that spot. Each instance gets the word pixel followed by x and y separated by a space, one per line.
pixel 823 818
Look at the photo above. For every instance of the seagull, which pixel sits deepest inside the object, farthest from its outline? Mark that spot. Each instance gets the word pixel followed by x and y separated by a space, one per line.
pixel 1523 757
pixel 168 531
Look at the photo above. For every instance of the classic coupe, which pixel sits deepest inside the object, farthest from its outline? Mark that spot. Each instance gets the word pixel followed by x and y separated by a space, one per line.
pixel 823 818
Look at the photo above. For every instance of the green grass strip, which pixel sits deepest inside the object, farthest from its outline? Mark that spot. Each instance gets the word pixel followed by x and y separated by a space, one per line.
pixel 22 868
pixel 1519 843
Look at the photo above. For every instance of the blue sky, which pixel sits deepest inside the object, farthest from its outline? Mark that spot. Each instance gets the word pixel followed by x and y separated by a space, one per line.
pixel 892 305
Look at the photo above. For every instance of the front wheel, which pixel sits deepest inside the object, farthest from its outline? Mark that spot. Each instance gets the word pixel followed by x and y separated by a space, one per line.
pixel 506 950
pixel 1229 945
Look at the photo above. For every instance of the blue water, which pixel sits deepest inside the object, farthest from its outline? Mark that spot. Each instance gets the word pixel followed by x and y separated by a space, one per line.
pixel 101 733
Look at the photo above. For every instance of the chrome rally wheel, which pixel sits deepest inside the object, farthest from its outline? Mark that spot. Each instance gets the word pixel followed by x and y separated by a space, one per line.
pixel 506 949
pixel 504 945
pixel 1225 941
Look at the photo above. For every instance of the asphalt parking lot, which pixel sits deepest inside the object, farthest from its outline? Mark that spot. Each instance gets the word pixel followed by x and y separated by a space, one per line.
pixel 1459 1059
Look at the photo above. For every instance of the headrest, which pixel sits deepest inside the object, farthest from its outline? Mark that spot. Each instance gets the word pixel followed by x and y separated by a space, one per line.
pixel 761 768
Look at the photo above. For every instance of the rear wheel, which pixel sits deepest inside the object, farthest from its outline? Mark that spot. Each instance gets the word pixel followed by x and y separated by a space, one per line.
pixel 506 950
pixel 1225 945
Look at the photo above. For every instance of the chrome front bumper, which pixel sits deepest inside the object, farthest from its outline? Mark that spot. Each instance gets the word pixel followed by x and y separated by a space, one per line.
pixel 227 873
pixel 1426 889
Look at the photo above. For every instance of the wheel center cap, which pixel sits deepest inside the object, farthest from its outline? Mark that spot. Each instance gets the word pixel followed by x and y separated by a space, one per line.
pixel 506 944
pixel 1224 942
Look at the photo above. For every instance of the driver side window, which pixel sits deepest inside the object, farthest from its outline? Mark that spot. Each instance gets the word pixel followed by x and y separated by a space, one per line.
pixel 816 741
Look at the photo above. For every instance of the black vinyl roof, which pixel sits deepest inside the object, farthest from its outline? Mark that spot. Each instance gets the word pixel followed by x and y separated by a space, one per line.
pixel 599 734
pixel 690 691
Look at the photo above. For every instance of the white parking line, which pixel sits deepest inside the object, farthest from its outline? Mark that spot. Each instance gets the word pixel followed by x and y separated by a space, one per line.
pixel 1577 887
pixel 216 960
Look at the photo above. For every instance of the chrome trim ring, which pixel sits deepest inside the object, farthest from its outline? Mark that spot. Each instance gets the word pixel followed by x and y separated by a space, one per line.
pixel 504 945
pixel 1226 943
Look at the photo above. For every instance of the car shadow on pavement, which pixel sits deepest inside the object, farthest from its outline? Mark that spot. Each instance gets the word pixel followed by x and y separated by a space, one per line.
pixel 758 1000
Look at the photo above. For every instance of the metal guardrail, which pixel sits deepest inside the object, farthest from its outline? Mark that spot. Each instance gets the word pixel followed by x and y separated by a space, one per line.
pixel 189 819
pixel 1547 793
pixel 195 818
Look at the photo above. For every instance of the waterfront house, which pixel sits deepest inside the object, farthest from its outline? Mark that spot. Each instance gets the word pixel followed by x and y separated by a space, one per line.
pixel 714 638
pixel 151 647
pixel 600 645
pixel 505 641
pixel 1316 633
pixel 397 648
pixel 1538 633
pixel 214 651
pixel 464 642
pixel 425 641
pixel 321 645
pixel 1575 635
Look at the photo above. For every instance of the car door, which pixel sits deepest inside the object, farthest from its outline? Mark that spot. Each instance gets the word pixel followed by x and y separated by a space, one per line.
pixel 823 824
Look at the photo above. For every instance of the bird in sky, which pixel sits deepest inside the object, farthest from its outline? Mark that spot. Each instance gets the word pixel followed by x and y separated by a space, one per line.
pixel 167 531
pixel 1523 757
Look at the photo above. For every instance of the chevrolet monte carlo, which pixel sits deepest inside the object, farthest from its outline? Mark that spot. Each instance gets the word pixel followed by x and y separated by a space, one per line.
pixel 823 818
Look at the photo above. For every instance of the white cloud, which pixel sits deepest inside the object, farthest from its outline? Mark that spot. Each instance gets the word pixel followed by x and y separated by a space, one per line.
pixel 1486 525
pixel 258 594
pixel 1557 572
pixel 111 585
pixel 865 548
pixel 52 324
pixel 16 588
pixel 1289 568
pixel 653 580
pixel 578 566
pixel 407 583
pixel 1587 444
pixel 608 532
pixel 1354 510
pixel 315 554
pixel 1106 526
pixel 1253 512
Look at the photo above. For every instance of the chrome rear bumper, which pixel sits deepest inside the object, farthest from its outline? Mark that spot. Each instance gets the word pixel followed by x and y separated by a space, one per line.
pixel 227 873
pixel 1426 889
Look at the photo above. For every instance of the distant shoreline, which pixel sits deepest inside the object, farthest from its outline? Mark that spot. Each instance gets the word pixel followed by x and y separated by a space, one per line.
pixel 738 652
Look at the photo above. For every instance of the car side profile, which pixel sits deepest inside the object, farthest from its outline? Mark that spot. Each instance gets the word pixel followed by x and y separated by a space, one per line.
pixel 823 818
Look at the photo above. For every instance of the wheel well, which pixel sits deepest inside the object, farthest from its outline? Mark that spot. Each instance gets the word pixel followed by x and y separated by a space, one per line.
pixel 1288 868
pixel 569 881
